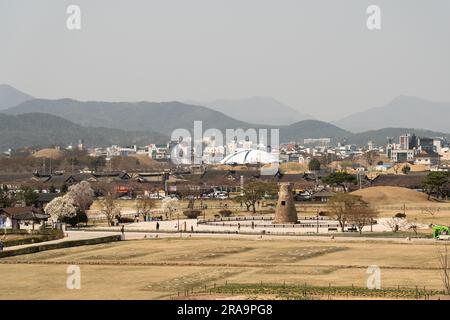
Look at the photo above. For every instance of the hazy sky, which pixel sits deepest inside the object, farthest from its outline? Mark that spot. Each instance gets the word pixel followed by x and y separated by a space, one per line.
pixel 317 56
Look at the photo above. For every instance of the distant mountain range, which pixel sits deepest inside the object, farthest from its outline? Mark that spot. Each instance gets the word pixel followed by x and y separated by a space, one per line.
pixel 10 97
pixel 261 110
pixel 403 111
pixel 104 123
pixel 44 130
pixel 162 117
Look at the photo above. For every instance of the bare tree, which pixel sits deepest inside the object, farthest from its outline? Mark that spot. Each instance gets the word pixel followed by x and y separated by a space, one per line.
pixel 169 206
pixel 397 167
pixel 191 192
pixel 370 157
pixel 444 266
pixel 254 191
pixel 341 205
pixel 361 216
pixel 412 225
pixel 396 224
pixel 431 210
pixel 144 206
pixel 110 209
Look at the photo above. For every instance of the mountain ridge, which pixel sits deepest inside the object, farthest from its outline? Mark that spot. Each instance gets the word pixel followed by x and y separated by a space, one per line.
pixel 45 130
pixel 402 111
pixel 258 109
pixel 10 96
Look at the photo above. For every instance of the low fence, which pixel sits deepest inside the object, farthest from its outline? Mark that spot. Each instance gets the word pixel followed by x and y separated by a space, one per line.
pixel 417 208
pixel 306 292
pixel 213 232
pixel 298 225
pixel 258 218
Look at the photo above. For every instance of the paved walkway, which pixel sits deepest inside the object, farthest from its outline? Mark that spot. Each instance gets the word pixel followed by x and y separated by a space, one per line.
pixel 136 235
pixel 169 229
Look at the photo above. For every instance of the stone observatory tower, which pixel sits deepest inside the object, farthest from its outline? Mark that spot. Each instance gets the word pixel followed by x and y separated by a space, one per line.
pixel 285 212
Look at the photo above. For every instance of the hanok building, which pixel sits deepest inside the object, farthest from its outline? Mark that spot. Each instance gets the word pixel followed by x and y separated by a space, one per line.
pixel 322 195
pixel 21 217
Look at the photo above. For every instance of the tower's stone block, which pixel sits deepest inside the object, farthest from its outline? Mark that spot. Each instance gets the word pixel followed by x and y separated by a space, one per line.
pixel 285 211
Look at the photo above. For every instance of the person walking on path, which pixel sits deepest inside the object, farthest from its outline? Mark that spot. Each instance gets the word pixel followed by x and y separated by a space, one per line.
pixel 122 230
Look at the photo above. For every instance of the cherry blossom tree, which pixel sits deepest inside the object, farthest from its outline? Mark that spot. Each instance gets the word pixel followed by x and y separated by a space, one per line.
pixel 82 194
pixel 61 207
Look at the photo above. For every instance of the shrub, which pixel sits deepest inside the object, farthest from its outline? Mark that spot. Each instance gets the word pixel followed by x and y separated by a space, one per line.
pixel 400 215
pixel 125 220
pixel 225 213
pixel 81 217
pixel 192 214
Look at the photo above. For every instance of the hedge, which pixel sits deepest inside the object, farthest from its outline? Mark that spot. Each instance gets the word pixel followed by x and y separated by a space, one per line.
pixel 44 235
pixel 59 245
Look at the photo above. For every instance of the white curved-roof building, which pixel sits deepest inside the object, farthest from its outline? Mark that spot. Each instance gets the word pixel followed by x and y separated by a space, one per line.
pixel 251 156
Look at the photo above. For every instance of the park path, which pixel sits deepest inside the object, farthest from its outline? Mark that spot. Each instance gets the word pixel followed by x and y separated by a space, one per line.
pixel 136 232
pixel 136 235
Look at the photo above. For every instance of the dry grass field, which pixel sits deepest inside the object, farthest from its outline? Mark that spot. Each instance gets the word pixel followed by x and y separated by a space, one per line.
pixel 391 200
pixel 163 268
pixel 49 154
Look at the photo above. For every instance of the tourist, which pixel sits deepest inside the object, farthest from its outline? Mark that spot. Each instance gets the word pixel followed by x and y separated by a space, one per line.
pixel 157 226
pixel 1 245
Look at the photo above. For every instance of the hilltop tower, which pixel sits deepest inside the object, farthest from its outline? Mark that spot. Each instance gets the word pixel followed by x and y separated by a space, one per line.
pixel 285 211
